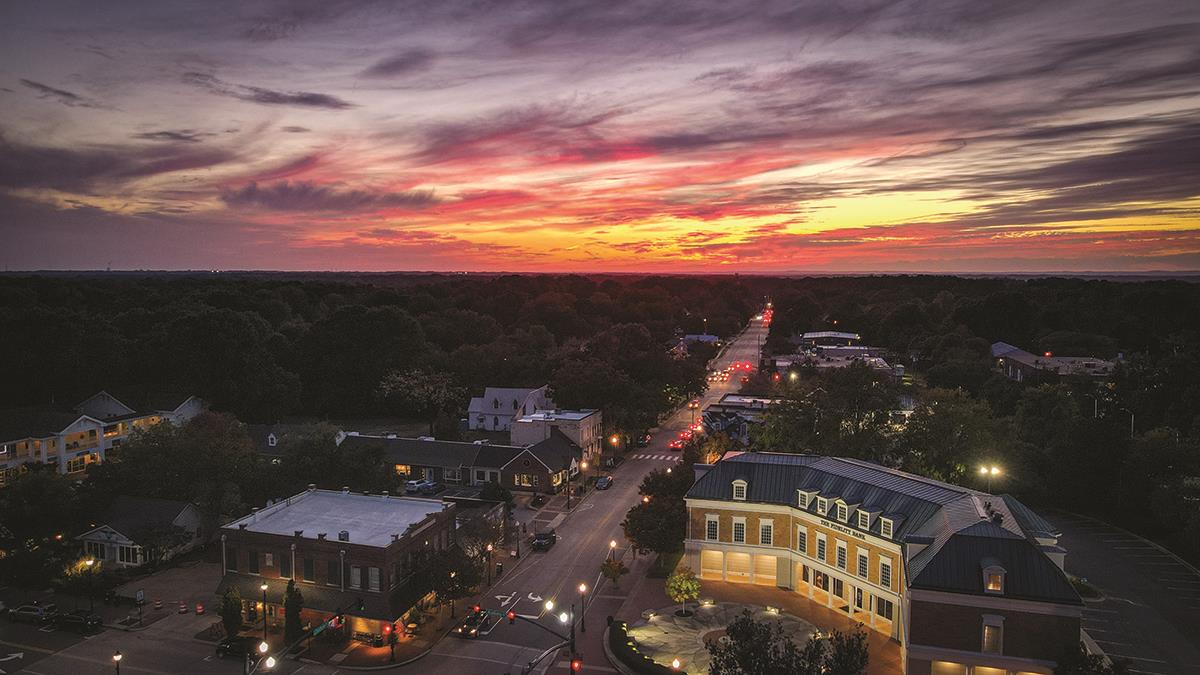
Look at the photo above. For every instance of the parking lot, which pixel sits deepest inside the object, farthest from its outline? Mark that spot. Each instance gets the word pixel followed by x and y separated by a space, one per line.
pixel 1150 615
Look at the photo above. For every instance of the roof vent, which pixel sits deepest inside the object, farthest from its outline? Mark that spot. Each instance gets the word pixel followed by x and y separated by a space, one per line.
pixel 312 486
pixel 321 536
pixel 345 489
pixel 344 535
pixel 298 533
pixel 426 438
pixel 392 436
pixel 241 526
pixel 395 537
pixel 385 494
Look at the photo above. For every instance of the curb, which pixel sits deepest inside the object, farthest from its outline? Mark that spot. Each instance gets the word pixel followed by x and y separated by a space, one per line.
pixel 612 658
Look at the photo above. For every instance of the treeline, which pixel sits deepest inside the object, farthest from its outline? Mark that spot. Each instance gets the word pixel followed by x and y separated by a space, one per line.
pixel 267 347
pixel 1127 449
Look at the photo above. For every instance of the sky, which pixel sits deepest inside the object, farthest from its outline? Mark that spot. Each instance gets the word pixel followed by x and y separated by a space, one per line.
pixel 601 135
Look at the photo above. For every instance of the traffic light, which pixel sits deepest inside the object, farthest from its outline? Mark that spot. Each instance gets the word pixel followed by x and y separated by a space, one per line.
pixel 477 609
pixel 512 617
pixel 387 628
pixel 577 665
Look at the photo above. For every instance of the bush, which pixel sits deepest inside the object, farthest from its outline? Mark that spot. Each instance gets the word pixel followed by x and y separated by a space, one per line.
pixel 623 648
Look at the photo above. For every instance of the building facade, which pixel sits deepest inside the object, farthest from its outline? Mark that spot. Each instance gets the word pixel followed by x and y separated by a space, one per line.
pixel 496 409
pixel 585 428
pixel 354 554
pixel 968 583
pixel 1019 365
pixel 138 530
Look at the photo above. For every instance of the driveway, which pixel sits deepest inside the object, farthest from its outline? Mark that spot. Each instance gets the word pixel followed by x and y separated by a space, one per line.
pixel 1151 613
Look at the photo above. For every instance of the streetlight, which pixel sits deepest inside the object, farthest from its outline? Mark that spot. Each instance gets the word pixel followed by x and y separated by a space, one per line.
pixel 264 613
pixel 645 499
pixel 675 664
pixel 582 608
pixel 989 472
pixel 612 549
pixel 91 581
pixel 563 616
pixel 117 661
pixel 488 563
pixel 549 605
pixel 270 662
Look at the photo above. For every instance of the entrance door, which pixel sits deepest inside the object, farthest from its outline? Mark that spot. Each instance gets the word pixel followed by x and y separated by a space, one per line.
pixel 737 567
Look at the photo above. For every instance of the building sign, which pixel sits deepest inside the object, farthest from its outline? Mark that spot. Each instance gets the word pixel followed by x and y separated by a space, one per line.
pixel 843 529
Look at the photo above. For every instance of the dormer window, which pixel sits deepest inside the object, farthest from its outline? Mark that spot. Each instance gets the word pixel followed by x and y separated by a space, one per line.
pixel 885 528
pixel 993 578
pixel 271 441
pixel 803 499
pixel 822 505
pixel 864 520
pixel 843 513
pixel 739 490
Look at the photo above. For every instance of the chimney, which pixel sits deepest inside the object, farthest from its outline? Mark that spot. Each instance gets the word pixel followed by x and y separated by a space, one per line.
pixel 395 537
pixel 241 526
pixel 344 535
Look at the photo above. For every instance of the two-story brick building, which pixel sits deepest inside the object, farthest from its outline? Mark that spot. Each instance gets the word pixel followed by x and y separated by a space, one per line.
pixel 347 552
pixel 968 583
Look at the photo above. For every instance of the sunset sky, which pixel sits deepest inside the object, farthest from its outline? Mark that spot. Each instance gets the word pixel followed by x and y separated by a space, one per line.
pixel 560 135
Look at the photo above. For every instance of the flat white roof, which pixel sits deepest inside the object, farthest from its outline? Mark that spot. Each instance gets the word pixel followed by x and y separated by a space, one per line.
pixel 371 520
pixel 551 415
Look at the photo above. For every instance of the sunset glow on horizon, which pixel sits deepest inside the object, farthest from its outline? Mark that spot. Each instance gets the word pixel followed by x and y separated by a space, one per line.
pixel 864 136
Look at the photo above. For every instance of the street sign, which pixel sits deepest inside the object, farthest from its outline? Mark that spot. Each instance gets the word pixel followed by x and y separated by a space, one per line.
pixel 140 598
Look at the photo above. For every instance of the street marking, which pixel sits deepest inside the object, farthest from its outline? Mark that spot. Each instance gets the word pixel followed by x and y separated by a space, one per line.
pixel 40 650
pixel 534 598
pixel 1137 658
pixel 505 599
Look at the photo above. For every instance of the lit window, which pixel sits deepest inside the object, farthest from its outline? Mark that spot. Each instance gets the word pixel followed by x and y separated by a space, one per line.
pixel 885 528
pixel 993 634
pixel 995 583
pixel 739 490
pixel 993 577
pixel 822 505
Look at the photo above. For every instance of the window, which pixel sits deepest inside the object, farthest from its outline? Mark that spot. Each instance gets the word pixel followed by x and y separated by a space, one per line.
pixel 883 607
pixel 271 440
pixel 862 564
pixel 495 404
pixel 839 588
pixel 452 474
pixel 372 578
pixel 95 549
pixel 310 569
pixel 820 547
pixel 993 578
pixel 843 513
pixel 885 573
pixel 403 470
pixel 252 561
pixel 995 583
pixel 127 554
pixel 285 566
pixel 864 520
pixel 803 499
pixel 802 539
pixel 885 528
pixel 355 576
pixel 268 560
pixel 711 528
pixel 739 490
pixel 841 555
pixel 231 559
pixel 822 505
pixel 333 573
pixel 766 533
pixel 739 530
pixel 993 634
pixel 495 422
pixel 480 476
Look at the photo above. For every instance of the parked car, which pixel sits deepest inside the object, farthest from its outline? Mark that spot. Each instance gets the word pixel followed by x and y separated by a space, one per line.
pixel 675 444
pixel 239 645
pixel 431 488
pixel 604 482
pixel 538 501
pixel 33 613
pixel 80 621
pixel 542 541
pixel 415 485
pixel 471 625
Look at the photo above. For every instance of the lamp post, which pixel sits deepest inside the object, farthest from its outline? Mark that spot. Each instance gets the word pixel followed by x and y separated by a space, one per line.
pixel 264 612
pixel 582 608
pixel 117 661
pixel 989 472
pixel 488 564
pixel 612 549
pixel 90 562
pixel 583 474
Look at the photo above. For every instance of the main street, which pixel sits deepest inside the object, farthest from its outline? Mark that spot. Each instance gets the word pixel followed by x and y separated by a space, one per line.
pixel 583 543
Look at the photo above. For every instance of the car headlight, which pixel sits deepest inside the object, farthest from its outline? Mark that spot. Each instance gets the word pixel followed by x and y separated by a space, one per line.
pixel 474 631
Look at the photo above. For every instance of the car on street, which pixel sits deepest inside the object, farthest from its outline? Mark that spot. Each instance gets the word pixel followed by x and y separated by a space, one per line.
pixel 675 444
pixel 79 621
pixel 471 625
pixel 694 404
pixel 33 613
pixel 604 482
pixel 238 645
pixel 431 488
pixel 542 541
pixel 686 435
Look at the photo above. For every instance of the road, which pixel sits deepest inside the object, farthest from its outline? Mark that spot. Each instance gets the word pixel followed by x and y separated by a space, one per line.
pixel 582 545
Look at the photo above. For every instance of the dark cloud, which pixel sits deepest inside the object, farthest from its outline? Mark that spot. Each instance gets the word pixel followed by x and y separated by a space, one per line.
pixel 82 169
pixel 404 63
pixel 63 96
pixel 307 196
pixel 295 130
pixel 265 96
pixel 174 135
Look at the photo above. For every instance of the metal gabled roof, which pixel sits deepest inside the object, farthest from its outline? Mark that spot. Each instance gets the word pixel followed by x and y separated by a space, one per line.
pixel 957 567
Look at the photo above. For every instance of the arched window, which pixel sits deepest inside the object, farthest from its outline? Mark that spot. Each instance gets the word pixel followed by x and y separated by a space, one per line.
pixel 739 490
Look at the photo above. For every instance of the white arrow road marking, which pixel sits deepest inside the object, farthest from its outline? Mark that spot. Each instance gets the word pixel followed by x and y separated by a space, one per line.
pixel 534 598
pixel 505 599
pixel 10 657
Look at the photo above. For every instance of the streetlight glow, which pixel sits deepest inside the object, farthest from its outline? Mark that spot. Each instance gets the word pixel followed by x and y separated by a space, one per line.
pixel 612 544
pixel 583 588
pixel 270 662
pixel 549 605
pixel 563 617
pixel 263 587
pixel 675 664
pixel 263 647
pixel 89 562
pixel 117 656
pixel 615 439
pixel 646 499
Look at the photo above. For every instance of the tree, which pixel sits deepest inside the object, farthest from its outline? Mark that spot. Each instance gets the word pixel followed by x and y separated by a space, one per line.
pixel 293 603
pixel 231 611
pixel 1079 661
pixel 659 522
pixel 79 578
pixel 761 648
pixel 947 436
pixel 682 586
pixel 494 491
pixel 426 394
pixel 846 653
pixel 476 532
pixel 453 574
pixel 613 569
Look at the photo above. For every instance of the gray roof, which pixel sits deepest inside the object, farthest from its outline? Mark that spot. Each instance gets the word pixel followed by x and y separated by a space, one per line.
pixel 556 451
pixel 131 515
pixel 445 454
pixel 945 519
pixel 20 423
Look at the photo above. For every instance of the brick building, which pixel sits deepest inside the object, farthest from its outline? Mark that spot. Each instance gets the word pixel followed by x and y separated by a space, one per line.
pixel 968 583
pixel 347 552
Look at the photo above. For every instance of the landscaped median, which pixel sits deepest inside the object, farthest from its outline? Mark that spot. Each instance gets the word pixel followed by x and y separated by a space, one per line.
pixel 624 649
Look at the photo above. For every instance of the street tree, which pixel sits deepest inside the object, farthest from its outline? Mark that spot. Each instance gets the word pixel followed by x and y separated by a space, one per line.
pixel 293 603
pixel 762 648
pixel 230 611
pixel 422 393
pixel 1079 661
pixel 613 569
pixel 683 585
pixel 453 574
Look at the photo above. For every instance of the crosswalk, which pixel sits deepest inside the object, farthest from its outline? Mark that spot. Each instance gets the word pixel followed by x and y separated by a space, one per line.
pixel 665 458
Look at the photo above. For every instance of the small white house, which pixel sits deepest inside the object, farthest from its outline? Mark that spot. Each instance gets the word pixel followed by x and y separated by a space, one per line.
pixel 136 530
pixel 496 409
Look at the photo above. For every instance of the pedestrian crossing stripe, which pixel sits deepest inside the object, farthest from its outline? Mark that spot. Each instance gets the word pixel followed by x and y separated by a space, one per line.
pixel 665 458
